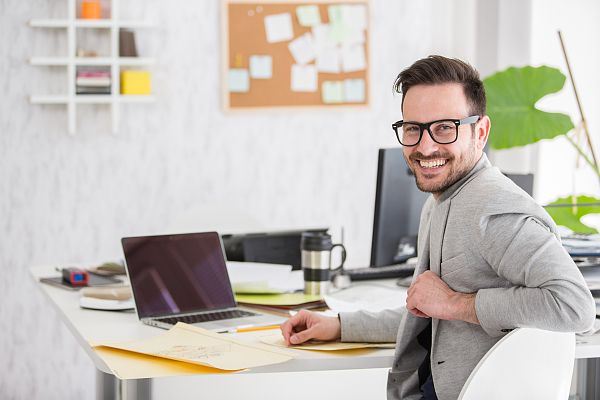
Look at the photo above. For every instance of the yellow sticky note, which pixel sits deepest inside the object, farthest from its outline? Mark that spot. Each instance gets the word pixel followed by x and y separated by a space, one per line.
pixel 135 82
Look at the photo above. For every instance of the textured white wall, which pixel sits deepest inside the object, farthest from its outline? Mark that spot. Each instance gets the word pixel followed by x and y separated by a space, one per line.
pixel 69 199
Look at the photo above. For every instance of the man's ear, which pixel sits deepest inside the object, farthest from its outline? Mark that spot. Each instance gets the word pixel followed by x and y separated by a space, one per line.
pixel 482 131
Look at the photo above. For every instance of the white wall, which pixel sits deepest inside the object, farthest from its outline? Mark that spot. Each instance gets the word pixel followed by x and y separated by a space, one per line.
pixel 69 199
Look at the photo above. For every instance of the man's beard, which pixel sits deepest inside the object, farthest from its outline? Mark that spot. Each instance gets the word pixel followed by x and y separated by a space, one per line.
pixel 457 169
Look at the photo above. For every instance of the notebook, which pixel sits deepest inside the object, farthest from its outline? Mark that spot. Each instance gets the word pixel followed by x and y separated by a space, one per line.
pixel 184 278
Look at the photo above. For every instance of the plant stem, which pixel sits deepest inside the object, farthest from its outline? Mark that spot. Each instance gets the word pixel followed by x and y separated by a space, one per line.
pixel 595 167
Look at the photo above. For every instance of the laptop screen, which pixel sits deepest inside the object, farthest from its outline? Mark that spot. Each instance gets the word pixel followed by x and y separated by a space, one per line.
pixel 174 274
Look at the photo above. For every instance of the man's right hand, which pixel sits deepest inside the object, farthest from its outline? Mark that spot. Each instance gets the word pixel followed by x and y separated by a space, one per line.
pixel 307 325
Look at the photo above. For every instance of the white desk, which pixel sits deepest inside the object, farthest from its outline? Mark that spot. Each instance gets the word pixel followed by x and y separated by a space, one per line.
pixel 364 376
pixel 361 376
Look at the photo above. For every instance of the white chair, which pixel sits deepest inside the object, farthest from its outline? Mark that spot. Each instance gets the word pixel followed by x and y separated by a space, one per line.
pixel 526 364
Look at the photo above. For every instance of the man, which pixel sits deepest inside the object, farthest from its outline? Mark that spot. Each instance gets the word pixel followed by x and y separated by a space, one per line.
pixel 490 259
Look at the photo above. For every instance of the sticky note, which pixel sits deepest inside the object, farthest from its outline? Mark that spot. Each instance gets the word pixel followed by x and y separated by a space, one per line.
pixel 332 92
pixel 356 36
pixel 304 78
pixel 328 61
pixel 308 15
pixel 321 37
pixel 261 67
pixel 239 80
pixel 279 27
pixel 334 12
pixel 339 33
pixel 354 90
pixel 353 58
pixel 303 48
pixel 354 15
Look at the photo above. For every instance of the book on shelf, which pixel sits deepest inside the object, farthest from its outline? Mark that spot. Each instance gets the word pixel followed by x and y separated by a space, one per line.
pixel 127 44
pixel 92 90
pixel 84 81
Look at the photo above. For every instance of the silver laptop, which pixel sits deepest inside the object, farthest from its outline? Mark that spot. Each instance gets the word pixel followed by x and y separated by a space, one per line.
pixel 184 278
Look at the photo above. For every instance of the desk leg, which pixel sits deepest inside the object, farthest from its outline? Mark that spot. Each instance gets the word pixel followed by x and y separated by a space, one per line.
pixel 108 387
pixel 588 378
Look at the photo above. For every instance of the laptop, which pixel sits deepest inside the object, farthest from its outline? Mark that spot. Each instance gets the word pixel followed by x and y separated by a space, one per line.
pixel 183 278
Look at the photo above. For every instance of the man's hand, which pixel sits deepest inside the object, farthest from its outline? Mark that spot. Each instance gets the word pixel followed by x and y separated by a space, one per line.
pixel 307 325
pixel 429 296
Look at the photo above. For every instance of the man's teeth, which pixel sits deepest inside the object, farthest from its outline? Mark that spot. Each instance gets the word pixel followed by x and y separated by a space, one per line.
pixel 432 164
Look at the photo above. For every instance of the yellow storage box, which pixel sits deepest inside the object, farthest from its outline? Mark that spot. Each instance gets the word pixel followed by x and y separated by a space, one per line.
pixel 135 82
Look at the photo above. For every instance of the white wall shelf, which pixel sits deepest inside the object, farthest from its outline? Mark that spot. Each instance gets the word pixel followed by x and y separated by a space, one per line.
pixel 71 62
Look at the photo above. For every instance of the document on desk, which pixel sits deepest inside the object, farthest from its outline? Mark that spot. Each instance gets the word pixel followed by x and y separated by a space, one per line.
pixel 186 343
pixel 276 339
pixel 366 297
pixel 261 278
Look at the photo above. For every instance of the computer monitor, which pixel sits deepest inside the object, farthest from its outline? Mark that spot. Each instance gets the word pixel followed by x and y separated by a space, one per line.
pixel 398 204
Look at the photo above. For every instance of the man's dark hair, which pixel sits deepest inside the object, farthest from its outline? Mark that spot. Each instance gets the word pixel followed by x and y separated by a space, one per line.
pixel 435 70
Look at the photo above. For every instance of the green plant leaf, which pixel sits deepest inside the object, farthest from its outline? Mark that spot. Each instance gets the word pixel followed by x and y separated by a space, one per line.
pixel 571 216
pixel 512 95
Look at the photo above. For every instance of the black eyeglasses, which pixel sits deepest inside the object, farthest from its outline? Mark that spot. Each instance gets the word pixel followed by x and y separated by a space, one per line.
pixel 443 131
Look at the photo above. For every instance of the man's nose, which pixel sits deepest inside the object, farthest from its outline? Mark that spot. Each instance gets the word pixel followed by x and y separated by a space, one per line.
pixel 427 145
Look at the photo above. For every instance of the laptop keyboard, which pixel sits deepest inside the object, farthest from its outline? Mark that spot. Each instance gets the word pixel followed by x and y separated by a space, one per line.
pixel 204 317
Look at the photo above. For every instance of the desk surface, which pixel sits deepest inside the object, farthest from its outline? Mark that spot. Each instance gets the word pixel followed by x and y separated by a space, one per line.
pixel 94 324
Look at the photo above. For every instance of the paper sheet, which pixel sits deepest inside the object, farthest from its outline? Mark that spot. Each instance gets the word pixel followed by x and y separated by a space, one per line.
pixel 328 61
pixel 286 299
pixel 370 298
pixel 332 92
pixel 261 67
pixel 276 339
pixel 279 27
pixel 354 90
pixel 129 365
pixel 194 345
pixel 248 277
pixel 308 15
pixel 304 78
pixel 303 48
pixel 354 15
pixel 354 58
pixel 239 80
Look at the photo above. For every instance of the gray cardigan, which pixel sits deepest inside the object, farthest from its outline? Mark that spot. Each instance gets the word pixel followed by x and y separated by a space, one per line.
pixel 484 235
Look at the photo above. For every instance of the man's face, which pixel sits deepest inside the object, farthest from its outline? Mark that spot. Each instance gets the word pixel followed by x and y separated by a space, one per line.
pixel 437 166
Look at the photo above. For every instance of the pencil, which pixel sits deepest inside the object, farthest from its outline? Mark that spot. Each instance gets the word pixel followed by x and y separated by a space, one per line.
pixel 258 328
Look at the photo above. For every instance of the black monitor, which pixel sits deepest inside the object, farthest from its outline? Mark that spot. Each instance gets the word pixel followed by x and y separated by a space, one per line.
pixel 398 204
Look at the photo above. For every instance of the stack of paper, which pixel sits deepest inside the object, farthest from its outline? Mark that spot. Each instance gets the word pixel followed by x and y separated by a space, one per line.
pixel 184 349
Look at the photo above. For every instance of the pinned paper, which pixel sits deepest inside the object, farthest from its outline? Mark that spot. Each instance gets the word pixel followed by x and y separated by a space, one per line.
pixel 339 33
pixel 261 67
pixel 308 15
pixel 356 36
pixel 334 12
pixel 328 61
pixel 353 58
pixel 321 38
pixel 354 15
pixel 279 27
pixel 303 48
pixel 354 90
pixel 304 78
pixel 332 92
pixel 239 80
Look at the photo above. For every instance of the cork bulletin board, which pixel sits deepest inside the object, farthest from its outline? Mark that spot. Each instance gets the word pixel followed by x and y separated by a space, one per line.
pixel 294 55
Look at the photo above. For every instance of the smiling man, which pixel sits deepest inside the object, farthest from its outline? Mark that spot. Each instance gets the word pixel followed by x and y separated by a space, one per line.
pixel 490 258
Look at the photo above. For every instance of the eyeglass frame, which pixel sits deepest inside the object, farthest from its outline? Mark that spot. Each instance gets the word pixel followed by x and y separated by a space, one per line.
pixel 427 126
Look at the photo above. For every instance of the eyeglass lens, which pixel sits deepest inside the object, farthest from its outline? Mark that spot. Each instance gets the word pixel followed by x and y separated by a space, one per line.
pixel 442 131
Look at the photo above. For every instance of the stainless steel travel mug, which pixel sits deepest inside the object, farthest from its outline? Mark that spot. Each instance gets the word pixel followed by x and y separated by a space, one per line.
pixel 316 261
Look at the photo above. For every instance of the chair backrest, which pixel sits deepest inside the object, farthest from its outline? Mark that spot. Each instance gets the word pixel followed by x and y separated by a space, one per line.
pixel 525 364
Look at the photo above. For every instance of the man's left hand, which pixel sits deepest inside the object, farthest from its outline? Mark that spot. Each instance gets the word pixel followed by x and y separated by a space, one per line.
pixel 429 296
